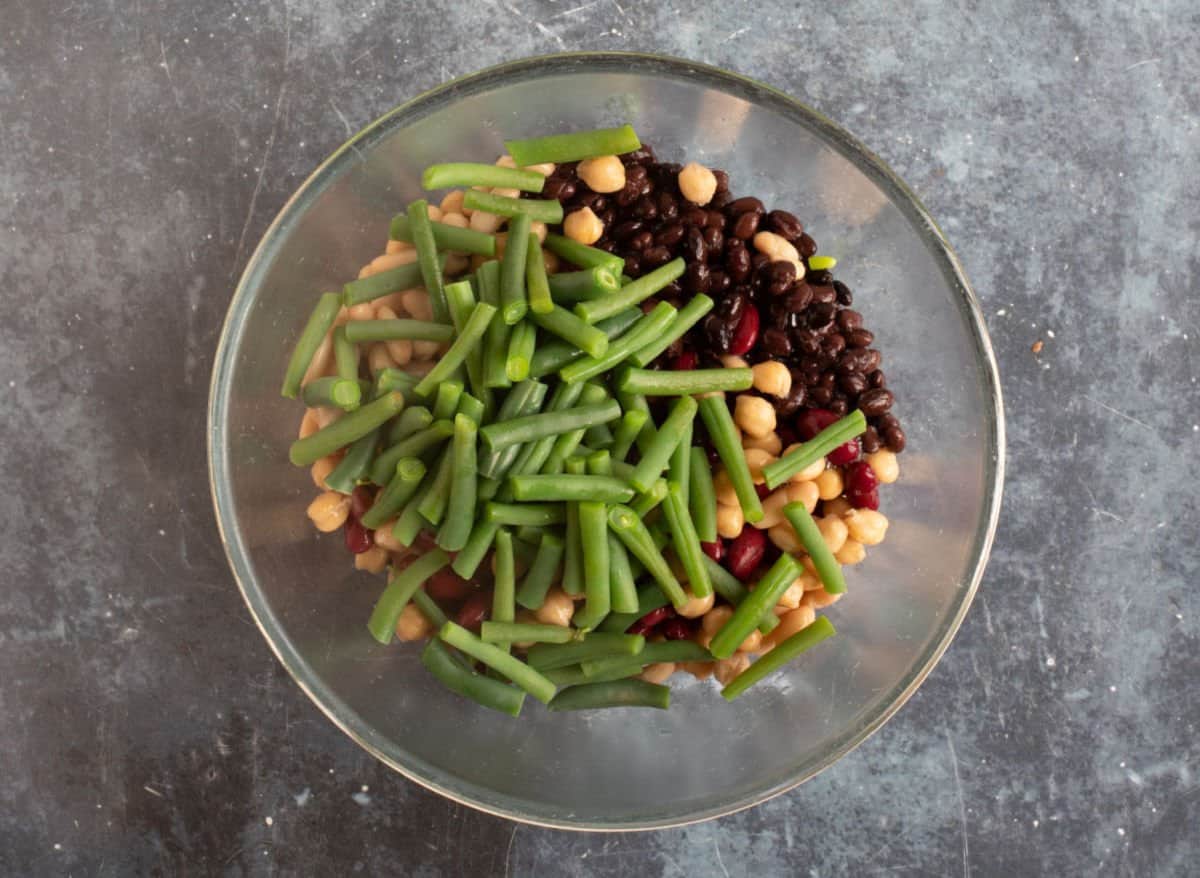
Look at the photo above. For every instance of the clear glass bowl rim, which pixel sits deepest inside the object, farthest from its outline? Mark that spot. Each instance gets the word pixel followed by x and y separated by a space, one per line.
pixel 579 62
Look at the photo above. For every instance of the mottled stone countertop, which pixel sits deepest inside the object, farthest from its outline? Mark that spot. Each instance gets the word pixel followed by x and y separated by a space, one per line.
pixel 145 727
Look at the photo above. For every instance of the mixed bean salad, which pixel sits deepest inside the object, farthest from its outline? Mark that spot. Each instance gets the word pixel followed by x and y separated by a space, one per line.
pixel 600 421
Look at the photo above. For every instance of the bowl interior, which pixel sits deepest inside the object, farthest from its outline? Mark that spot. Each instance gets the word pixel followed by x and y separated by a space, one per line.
pixel 704 756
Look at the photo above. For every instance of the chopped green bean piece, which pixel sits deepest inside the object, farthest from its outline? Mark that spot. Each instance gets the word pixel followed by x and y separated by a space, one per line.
pixel 461 680
pixel 447 237
pixel 802 640
pixel 465 174
pixel 616 693
pixel 544 211
pixel 352 426
pixel 632 293
pixel 399 592
pixel 319 322
pixel 573 146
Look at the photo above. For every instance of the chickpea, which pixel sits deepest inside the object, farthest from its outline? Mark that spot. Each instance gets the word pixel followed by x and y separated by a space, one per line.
pixel 773 378
pixel 789 624
pixel 543 168
pixel 505 192
pixel 810 472
pixel 308 424
pixel 723 488
pixel 803 492
pixel 733 361
pixel 784 537
pixel 756 459
pixel 321 470
pixel 714 620
pixel 506 161
pixel 384 311
pixel 435 213
pixel 602 174
pixel 458 220
pixel 388 261
pixel 754 415
pixel 834 530
pixel 322 361
pixel 379 358
pixel 329 511
pixel 866 525
pixel 695 607
pixel 583 226
pixel 658 672
pixel 752 642
pixel 384 538
pixel 886 465
pixel 488 223
pixel 426 350
pixel 452 203
pixel 557 609
pixel 456 263
pixel 773 508
pixel 727 669
pixel 830 484
pixel 326 415
pixel 730 520
pixel 417 303
pixel 697 183
pixel 374 560
pixel 699 670
pixel 361 311
pixel 401 350
pixel 396 246
pixel 776 247
pixel 819 599
pixel 809 580
pixel 770 443
pixel 524 617
pixel 837 506
pixel 792 597
pixel 553 266
pixel 412 624
pixel 540 230
pixel 851 552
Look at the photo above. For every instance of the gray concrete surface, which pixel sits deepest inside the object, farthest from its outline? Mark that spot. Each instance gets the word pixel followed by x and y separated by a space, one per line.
pixel 145 728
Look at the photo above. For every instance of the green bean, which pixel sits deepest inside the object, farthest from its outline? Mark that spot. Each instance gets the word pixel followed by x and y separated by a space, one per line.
pixel 524 399
pixel 460 299
pixel 827 567
pixel 632 293
pixel 399 490
pixel 727 441
pixel 599 437
pixel 637 539
pixel 837 433
pixel 702 499
pixel 615 693
pixel 352 426
pixel 447 237
pixel 593 537
pixel 412 420
pixel 514 301
pixel 657 453
pixel 482 536
pixel 413 446
pixel 389 379
pixel 532 456
pixel 460 504
pixel 573 573
pixel 332 391
pixel 399 591
pixel 562 323
pixel 560 488
pixel 751 610
pixel 652 653
pixel 544 211
pixel 445 401
pixel 383 283
pixel 434 500
pixel 498 660
pixel 444 176
pixel 530 534
pixel 574 146
pixel 553 356
pixel 546 657
pixel 533 427
pixel 505 580
pixel 621 587
pixel 626 432
pixel 521 344
pixel 650 597
pixel 461 680
pixel 361 331
pixel 685 541
pixel 533 514
pixel 583 255
pixel 564 445
pixel 689 316
pixel 345 355
pixel 525 632
pixel 541 573
pixel 355 463
pixel 429 609
pixel 649 499
pixel 410 522
pixel 495 344
pixel 471 335
pixel 802 640
pixel 667 383
pixel 635 402
pixel 311 337
pixel 427 258
pixel 645 329
pixel 680 466
pixel 573 287
pixel 537 283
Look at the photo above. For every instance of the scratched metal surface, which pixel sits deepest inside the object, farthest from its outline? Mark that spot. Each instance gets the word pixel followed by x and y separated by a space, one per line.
pixel 146 729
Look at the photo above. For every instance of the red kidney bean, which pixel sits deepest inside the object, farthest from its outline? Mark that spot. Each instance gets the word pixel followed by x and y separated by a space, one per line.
pixel 446 585
pixel 859 477
pixel 846 453
pixel 677 629
pixel 686 361
pixel 474 611
pixel 745 552
pixel 746 333
pixel 358 538
pixel 649 621
pixel 714 550
pixel 360 501
pixel 812 421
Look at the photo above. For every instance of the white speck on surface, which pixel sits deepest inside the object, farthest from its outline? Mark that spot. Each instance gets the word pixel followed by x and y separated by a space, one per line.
pixel 1120 831
pixel 361 799
pixel 1112 688
pixel 1050 662
pixel 270 821
pixel 302 797
pixel 57 846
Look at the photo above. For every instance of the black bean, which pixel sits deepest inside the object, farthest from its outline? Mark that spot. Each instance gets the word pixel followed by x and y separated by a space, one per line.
pixel 719 332
pixel 633 265
pixel 870 441
pixel 715 220
pixel 758 260
pixel 719 200
pixel 844 296
pixel 833 345
pixel 694 216
pixel 559 189
pixel 645 208
pixel 737 260
pixel 822 294
pixel 839 406
pixel 694 248
pixel 854 384
pixel 669 235
pixel 741 205
pixel 608 215
pixel 627 196
pixel 895 439
pixel 785 224
pixel 806 245
pixel 636 174
pixel 715 241
pixel 877 378
pixel 849 320
pixel 820 315
pixel 653 257
pixel 696 278
pixel 808 341
pixel 718 281
pixel 852 360
pixel 672 292
pixel 886 422
pixel 627 229
pixel 641 240
pixel 668 206
pixel 821 396
pixel 872 360
pixel 640 156
pixel 722 180
pixel 796 397
pixel 731 307
pixel 799 297
pixel 744 225
pixel 776 343
pixel 779 275
pixel 859 338
pixel 875 402
pixel 819 276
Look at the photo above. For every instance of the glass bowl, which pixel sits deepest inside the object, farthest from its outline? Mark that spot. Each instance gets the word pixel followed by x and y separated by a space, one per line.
pixel 622 769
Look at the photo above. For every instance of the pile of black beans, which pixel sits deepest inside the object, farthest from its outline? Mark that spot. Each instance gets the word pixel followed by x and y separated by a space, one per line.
pixel 762 310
